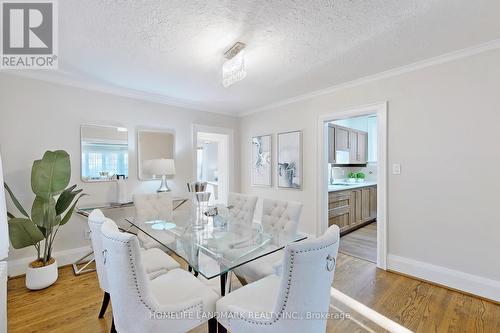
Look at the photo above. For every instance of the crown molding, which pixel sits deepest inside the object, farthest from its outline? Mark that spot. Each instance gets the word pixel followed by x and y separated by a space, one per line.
pixel 66 78
pixel 444 58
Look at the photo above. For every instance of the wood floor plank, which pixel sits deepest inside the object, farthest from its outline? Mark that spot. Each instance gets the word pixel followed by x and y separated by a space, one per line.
pixel 361 243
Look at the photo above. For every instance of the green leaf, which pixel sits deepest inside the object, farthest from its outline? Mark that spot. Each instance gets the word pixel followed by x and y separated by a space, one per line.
pixel 43 212
pixel 15 201
pixel 10 216
pixel 23 232
pixel 51 174
pixel 70 211
pixel 65 199
pixel 42 230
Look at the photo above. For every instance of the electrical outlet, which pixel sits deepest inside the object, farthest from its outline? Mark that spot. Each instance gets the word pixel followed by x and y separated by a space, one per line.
pixel 86 235
pixel 396 169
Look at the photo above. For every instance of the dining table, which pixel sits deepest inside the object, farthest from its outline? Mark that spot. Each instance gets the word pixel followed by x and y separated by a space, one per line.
pixel 213 246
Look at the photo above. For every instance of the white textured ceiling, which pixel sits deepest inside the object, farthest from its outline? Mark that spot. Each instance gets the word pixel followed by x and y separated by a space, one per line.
pixel 174 49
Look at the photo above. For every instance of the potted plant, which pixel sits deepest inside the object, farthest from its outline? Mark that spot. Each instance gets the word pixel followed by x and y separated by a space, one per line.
pixel 360 177
pixel 52 208
pixel 351 177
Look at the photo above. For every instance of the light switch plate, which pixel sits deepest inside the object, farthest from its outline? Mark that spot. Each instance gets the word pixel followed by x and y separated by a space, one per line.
pixel 396 169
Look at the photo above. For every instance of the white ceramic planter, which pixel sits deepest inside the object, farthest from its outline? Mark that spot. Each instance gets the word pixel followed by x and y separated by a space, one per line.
pixel 42 277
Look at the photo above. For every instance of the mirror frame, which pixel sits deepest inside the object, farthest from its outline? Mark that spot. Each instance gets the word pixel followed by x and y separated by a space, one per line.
pixel 81 152
pixel 153 130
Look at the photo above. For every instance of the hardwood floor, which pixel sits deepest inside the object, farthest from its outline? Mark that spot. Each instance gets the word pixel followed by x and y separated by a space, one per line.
pixel 73 303
pixel 361 243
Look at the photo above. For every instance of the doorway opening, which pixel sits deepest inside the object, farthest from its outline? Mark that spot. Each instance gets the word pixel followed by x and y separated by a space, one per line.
pixel 352 181
pixel 352 184
pixel 212 162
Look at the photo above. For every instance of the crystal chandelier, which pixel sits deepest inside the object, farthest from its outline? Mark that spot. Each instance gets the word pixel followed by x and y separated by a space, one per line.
pixel 233 70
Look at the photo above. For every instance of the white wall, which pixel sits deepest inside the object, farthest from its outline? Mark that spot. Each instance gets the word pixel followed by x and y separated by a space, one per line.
pixel 443 127
pixel 36 116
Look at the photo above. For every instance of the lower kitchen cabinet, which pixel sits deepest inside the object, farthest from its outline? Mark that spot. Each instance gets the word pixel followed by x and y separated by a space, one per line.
pixel 351 208
pixel 340 208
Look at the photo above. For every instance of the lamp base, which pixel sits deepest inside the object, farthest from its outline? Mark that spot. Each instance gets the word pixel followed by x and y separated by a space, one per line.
pixel 163 187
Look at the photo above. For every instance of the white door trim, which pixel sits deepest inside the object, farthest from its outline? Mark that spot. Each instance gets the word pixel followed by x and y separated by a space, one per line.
pixel 219 130
pixel 380 109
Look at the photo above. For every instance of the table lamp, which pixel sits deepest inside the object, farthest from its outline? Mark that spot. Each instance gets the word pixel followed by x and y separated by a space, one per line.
pixel 160 167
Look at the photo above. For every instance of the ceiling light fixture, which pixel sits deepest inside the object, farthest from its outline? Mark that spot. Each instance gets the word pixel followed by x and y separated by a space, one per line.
pixel 233 70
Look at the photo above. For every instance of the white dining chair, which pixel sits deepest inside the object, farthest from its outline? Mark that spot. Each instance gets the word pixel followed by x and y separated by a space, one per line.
pixel 153 206
pixel 279 219
pixel 284 300
pixel 241 207
pixel 156 262
pixel 172 302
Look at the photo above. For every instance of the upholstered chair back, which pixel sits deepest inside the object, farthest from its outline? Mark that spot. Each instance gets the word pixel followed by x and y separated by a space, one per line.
pixel 306 279
pixel 281 218
pixel 242 207
pixel 303 280
pixel 129 286
pixel 135 308
pixel 153 206
pixel 95 220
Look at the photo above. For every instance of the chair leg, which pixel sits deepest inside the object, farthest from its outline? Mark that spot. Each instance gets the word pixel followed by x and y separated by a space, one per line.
pixel 212 325
pixel 221 329
pixel 113 329
pixel 242 280
pixel 104 306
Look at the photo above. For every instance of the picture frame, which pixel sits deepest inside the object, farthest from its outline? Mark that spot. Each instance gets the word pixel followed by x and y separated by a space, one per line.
pixel 261 159
pixel 289 160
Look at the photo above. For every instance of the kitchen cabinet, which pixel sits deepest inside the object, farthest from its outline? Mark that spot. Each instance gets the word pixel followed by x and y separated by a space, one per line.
pixel 351 209
pixel 342 138
pixel 361 147
pixel 347 146
pixel 340 208
pixel 373 202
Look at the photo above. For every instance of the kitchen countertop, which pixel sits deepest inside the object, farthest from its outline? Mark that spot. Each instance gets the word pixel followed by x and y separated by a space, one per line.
pixel 349 186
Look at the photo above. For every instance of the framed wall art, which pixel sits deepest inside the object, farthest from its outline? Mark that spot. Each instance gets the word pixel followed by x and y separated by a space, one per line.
pixel 290 160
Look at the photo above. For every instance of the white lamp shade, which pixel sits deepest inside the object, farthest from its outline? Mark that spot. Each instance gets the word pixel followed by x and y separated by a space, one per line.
pixel 159 167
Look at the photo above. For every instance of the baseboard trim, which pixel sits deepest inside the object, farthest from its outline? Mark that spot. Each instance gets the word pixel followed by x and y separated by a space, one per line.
pixel 453 279
pixel 65 257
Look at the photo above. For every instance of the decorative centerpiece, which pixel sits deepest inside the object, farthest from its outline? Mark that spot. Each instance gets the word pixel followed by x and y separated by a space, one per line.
pixel 199 202
pixel 52 208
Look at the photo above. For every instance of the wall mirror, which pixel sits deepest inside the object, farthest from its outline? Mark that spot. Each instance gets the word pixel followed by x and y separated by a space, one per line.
pixel 151 145
pixel 104 153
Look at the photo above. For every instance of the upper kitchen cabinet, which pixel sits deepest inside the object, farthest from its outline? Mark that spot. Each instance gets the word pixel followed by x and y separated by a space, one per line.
pixel 359 147
pixel 362 147
pixel 342 138
pixel 347 146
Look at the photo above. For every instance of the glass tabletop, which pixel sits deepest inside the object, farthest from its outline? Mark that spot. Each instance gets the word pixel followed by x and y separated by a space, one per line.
pixel 212 245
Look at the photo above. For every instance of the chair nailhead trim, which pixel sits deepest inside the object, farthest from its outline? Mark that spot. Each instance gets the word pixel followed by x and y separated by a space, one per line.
pixel 287 289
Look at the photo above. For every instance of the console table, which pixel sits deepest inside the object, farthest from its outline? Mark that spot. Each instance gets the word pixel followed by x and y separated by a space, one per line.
pixel 85 211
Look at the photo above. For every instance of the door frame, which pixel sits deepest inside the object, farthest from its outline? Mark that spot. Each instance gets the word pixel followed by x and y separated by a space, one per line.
pixel 380 109
pixel 230 150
